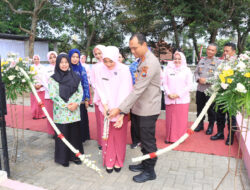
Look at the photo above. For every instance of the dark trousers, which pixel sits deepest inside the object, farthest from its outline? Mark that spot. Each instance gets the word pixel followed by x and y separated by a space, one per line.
pixel 84 123
pixel 72 133
pixel 146 125
pixel 221 121
pixel 163 106
pixel 135 132
pixel 201 100
pixel 233 120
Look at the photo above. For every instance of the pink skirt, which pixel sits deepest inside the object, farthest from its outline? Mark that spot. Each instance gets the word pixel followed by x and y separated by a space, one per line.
pixel 114 148
pixel 36 110
pixel 49 107
pixel 99 126
pixel 176 121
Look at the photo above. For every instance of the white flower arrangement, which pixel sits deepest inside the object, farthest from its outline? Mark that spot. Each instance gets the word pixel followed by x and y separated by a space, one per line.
pixel 12 77
pixel 232 84
pixel 240 88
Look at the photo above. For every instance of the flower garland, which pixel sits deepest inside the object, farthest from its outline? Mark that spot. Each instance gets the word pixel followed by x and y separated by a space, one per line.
pixel 84 158
pixel 105 129
pixel 230 89
pixel 189 132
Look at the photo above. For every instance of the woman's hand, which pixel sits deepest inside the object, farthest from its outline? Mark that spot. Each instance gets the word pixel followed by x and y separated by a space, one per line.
pixel 173 96
pixel 106 109
pixel 72 106
pixel 176 96
pixel 86 104
pixel 119 121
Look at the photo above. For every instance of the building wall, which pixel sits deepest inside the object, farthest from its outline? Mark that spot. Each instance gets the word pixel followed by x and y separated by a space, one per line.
pixel 13 46
pixel 22 48
pixel 41 48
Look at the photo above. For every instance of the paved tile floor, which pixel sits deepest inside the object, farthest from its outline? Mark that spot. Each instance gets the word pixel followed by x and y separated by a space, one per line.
pixel 175 170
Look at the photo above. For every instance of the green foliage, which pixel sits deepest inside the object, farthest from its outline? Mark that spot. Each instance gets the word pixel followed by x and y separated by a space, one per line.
pixel 51 17
pixel 108 22
pixel 220 43
pixel 10 22
pixel 94 22
pixel 64 44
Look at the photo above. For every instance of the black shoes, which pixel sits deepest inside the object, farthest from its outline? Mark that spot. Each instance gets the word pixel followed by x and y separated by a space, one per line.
pixel 210 128
pixel 232 139
pixel 136 168
pixel 200 127
pixel 117 169
pixel 145 176
pixel 167 142
pixel 109 171
pixel 65 165
pixel 134 145
pixel 217 136
pixel 77 161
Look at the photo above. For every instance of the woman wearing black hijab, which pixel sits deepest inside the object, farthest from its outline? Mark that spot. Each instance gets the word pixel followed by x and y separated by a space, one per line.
pixel 66 92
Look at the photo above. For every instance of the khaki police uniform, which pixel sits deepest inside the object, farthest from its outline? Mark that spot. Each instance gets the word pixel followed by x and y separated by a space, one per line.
pixel 205 69
pixel 145 103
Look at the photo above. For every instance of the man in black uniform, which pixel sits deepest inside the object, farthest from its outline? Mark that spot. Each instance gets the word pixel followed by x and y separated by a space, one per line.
pixel 229 55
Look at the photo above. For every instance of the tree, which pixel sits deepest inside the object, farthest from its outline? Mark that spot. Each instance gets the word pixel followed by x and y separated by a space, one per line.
pixel 94 22
pixel 33 13
pixel 240 22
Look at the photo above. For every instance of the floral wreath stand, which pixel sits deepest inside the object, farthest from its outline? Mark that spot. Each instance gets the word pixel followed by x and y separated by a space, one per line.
pixel 237 170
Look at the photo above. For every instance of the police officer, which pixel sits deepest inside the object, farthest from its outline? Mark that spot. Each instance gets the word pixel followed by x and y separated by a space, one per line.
pixel 145 102
pixel 229 55
pixel 205 70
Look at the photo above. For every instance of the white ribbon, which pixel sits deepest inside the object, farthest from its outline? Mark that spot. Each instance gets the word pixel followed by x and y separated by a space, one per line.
pixel 182 138
pixel 105 128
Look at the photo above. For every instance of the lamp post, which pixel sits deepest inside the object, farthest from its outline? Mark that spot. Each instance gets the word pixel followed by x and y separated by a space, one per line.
pixel 3 112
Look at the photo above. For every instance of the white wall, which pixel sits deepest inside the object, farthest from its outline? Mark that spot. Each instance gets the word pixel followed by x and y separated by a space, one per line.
pixel 14 46
pixel 41 48
pixel 18 46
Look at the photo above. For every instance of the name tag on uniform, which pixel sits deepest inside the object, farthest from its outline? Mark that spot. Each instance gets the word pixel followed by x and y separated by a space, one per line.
pixel 172 74
pixel 105 79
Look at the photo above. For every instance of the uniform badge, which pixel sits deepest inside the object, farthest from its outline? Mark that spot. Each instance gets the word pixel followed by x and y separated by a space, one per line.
pixel 213 63
pixel 144 71
pixel 211 70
